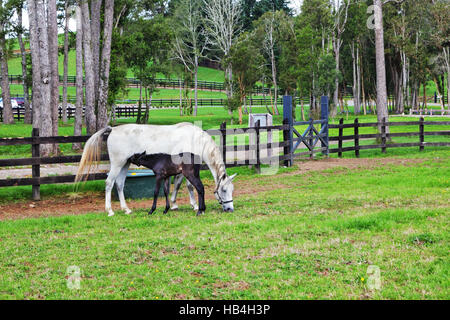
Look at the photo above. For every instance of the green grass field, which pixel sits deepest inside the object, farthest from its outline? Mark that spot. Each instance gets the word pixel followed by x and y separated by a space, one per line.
pixel 301 236
pixel 295 235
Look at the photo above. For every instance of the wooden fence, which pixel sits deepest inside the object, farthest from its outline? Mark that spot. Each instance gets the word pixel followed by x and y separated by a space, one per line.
pixel 252 155
pixel 384 138
pixel 284 151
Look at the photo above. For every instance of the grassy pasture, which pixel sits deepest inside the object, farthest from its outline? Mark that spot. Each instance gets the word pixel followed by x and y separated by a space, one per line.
pixel 298 236
pixel 294 235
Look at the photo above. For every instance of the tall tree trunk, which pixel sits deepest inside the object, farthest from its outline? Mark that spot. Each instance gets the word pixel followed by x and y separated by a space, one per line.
pixel 36 66
pixel 52 27
pixel 23 54
pixel 46 128
pixel 89 113
pixel 195 85
pixel 8 115
pixel 102 116
pixel 356 105
pixel 66 60
pixel 446 51
pixel 78 124
pixel 274 77
pixel 138 119
pixel 96 6
pixel 336 45
pixel 181 97
pixel 229 86
pixel 382 111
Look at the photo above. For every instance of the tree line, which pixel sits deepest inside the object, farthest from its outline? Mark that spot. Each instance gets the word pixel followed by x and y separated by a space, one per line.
pixel 378 48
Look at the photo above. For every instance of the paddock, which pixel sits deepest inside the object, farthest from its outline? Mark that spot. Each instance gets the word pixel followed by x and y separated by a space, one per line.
pixel 317 229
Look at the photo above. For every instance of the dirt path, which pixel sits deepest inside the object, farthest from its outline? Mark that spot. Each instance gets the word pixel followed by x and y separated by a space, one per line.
pixel 94 202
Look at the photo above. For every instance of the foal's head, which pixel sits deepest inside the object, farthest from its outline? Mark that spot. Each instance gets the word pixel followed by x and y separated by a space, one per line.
pixel 224 192
pixel 136 158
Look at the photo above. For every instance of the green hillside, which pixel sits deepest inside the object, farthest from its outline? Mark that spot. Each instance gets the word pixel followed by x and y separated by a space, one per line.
pixel 205 74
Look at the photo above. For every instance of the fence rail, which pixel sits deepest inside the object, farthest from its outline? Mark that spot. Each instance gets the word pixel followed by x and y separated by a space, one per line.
pixel 384 137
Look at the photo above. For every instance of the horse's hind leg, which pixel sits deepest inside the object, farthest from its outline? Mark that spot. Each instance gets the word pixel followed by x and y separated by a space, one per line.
pixel 178 179
pixel 120 183
pixel 112 175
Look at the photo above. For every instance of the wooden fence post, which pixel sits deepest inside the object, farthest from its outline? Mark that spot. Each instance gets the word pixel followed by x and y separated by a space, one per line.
pixel 341 133
pixel 356 133
pixel 324 127
pixel 258 158
pixel 287 134
pixel 36 168
pixel 223 141
pixel 383 135
pixel 421 135
pixel 310 140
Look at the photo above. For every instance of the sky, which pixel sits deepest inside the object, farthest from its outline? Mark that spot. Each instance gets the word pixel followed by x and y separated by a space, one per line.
pixel 294 4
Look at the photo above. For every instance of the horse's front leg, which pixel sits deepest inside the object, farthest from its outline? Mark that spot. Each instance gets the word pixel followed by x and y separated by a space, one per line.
pixel 177 180
pixel 192 195
pixel 155 194
pixel 197 183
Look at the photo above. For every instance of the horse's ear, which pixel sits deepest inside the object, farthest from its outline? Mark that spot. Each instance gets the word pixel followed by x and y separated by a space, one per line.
pixel 233 176
pixel 142 154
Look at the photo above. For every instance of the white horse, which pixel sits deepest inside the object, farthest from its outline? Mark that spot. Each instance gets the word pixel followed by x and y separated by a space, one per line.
pixel 126 140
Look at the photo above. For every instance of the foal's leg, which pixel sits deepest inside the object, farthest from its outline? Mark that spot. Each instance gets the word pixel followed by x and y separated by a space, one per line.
pixel 178 179
pixel 120 183
pixel 166 194
pixel 155 194
pixel 196 182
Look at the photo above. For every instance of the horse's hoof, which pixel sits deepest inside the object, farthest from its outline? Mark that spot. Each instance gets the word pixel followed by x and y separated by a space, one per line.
pixel 110 214
pixel 199 213
pixel 127 211
pixel 174 207
pixel 150 213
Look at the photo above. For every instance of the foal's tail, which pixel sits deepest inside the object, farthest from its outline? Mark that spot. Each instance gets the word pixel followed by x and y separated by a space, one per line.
pixel 91 153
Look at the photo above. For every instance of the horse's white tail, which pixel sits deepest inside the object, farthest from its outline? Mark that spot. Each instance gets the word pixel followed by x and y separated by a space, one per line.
pixel 91 154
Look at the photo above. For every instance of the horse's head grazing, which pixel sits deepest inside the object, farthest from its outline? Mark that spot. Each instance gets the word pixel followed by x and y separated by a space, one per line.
pixel 224 192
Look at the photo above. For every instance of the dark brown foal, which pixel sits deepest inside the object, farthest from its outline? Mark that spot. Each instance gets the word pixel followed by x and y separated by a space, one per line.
pixel 164 166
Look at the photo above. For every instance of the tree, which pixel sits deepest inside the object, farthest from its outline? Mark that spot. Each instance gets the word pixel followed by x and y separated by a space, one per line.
pixel 88 58
pixel 267 29
pixel 19 30
pixel 52 26
pixel 382 110
pixel 223 26
pixel 149 41
pixel 105 63
pixel 441 21
pixel 313 28
pixel 5 16
pixel 39 26
pixel 78 124
pixel 246 60
pixel 191 40
pixel 67 14
pixel 340 13
pixel 36 68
